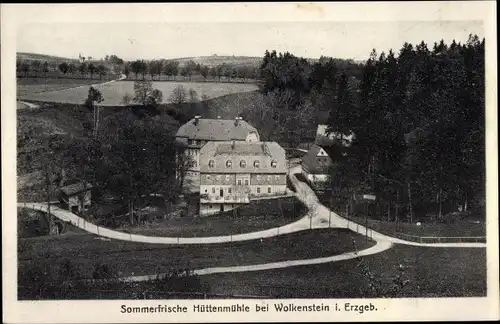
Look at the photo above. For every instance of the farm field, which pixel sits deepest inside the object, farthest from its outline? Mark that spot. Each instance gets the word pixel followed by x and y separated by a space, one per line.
pixel 113 92
pixel 431 272
pixel 130 258
pixel 31 86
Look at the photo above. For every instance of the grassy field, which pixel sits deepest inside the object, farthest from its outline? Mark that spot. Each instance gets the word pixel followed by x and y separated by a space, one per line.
pixel 256 216
pixel 130 258
pixel 27 87
pixel 457 228
pixel 431 272
pixel 113 92
pixel 434 229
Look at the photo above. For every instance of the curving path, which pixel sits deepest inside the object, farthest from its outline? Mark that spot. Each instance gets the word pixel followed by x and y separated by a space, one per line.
pixel 317 217
pixel 379 247
pixel 322 214
pixel 303 223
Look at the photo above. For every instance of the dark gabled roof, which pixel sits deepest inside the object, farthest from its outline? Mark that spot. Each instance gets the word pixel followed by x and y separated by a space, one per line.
pixel 221 152
pixel 216 129
pixel 311 162
pixel 75 188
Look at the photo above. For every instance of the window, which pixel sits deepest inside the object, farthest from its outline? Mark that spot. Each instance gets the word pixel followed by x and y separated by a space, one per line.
pixel 258 177
pixel 228 190
pixel 246 182
pixel 277 178
pixel 195 164
pixel 243 164
pixel 269 178
pixel 194 142
pixel 208 177
pixel 210 206
pixel 206 191
pixel 269 190
pixel 217 177
pixel 274 164
pixel 229 163
pixel 228 178
pixel 239 182
pixel 258 189
pixel 211 163
pixel 256 163
pixel 213 190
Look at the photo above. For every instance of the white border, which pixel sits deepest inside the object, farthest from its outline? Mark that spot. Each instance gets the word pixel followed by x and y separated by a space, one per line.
pixel 13 16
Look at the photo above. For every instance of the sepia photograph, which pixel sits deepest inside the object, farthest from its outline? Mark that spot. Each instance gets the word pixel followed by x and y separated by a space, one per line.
pixel 320 161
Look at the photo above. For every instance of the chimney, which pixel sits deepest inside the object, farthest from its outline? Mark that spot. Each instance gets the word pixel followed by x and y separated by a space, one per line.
pixel 236 121
pixel 196 119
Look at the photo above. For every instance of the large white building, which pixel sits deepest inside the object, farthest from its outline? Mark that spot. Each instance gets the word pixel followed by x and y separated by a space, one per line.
pixel 233 172
pixel 195 134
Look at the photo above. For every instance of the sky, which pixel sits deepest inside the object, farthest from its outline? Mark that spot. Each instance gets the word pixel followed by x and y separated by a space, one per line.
pixel 348 40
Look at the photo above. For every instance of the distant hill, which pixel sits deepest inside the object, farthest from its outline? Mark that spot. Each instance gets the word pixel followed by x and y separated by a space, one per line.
pixel 55 59
pixel 43 57
pixel 216 60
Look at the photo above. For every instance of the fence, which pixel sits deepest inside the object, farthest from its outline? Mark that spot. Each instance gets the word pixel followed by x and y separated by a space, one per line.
pixel 441 239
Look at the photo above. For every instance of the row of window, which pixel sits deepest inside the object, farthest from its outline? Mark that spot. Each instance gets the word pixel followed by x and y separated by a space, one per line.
pixel 228 178
pixel 243 164
pixel 195 142
pixel 229 191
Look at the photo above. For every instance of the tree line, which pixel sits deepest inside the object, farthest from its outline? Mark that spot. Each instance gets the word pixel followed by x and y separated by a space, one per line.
pixel 172 68
pixel 417 118
pixel 37 68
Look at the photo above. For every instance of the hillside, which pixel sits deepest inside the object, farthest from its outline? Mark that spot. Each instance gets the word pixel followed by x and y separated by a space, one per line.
pixel 214 60
pixel 51 59
pixel 43 57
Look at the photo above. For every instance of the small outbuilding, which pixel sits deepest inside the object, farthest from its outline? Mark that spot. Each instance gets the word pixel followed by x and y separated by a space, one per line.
pixel 76 197
pixel 315 165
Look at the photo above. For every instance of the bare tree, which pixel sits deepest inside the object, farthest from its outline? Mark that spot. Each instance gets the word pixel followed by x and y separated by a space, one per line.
pixel 193 95
pixel 178 95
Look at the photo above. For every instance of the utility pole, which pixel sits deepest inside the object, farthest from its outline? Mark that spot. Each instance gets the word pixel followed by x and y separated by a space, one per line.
pixel 330 214
pixel 409 203
pixel 396 212
pixel 366 221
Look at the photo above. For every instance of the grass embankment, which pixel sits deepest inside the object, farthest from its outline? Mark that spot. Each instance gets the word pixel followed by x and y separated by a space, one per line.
pixel 130 258
pixel 459 228
pixel 256 216
pixel 428 272
pixel 454 228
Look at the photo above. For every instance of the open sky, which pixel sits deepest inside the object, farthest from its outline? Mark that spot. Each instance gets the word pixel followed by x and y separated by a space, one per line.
pixel 308 39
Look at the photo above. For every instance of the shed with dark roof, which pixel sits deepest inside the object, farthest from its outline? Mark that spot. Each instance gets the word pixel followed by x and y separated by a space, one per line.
pixel 76 197
pixel 316 164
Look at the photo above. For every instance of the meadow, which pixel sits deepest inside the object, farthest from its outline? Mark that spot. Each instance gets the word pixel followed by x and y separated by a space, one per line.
pixel 31 86
pixel 131 258
pixel 113 92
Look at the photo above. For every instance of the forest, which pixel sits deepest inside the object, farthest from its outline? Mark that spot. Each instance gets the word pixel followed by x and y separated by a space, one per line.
pixel 418 120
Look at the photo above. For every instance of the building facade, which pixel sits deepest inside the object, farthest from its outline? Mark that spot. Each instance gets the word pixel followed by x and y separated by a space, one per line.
pixel 233 172
pixel 76 197
pixel 195 134
pixel 315 165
